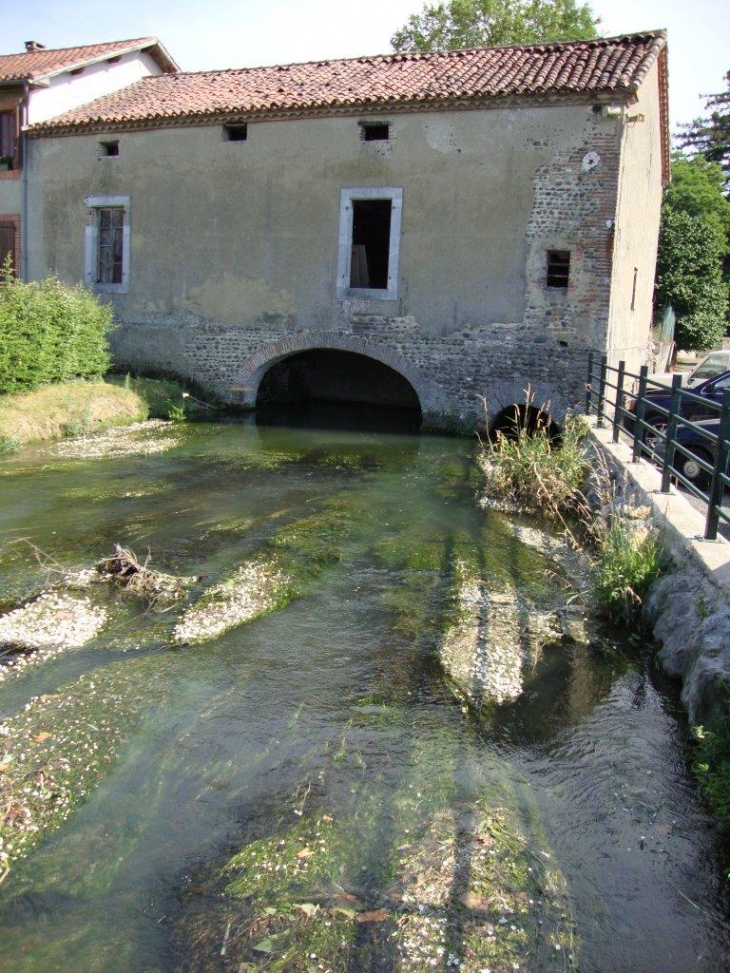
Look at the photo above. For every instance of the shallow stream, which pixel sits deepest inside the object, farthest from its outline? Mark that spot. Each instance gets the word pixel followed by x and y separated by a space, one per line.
pixel 304 791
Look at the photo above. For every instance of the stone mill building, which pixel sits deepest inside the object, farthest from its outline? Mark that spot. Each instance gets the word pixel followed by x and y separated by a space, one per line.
pixel 412 229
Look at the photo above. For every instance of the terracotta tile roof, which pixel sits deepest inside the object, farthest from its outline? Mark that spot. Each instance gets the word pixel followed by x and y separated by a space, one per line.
pixel 613 66
pixel 40 64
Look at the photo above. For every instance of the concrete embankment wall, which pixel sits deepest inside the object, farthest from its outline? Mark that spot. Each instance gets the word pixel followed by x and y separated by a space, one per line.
pixel 688 607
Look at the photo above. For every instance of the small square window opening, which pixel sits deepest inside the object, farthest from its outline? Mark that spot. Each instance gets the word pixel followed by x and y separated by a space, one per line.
pixel 558 268
pixel 235 133
pixel 108 150
pixel 374 131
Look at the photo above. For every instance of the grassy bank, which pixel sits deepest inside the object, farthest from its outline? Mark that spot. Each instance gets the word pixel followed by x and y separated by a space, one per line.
pixel 79 408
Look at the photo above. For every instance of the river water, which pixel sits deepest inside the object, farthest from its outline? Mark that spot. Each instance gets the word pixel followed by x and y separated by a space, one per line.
pixel 329 722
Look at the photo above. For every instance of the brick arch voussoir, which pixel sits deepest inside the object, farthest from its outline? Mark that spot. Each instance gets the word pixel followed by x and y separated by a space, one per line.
pixel 248 377
pixel 541 395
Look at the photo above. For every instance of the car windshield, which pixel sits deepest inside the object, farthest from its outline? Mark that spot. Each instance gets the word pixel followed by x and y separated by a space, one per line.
pixel 712 365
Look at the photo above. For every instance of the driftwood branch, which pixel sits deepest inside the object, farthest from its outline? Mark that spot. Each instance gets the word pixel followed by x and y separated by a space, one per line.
pixel 125 569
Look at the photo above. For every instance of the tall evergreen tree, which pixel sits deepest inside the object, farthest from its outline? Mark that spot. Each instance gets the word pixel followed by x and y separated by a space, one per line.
pixel 710 136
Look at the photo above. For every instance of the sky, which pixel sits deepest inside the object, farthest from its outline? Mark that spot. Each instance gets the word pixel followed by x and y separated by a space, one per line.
pixel 209 34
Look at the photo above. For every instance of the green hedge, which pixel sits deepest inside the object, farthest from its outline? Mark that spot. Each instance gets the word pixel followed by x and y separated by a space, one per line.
pixel 50 332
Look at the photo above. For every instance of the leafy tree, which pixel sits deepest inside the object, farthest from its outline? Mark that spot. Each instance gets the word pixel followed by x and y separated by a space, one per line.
pixel 710 136
pixel 696 191
pixel 697 188
pixel 689 277
pixel 474 23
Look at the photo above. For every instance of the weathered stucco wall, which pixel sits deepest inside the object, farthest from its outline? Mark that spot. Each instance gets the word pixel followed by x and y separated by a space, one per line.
pixel 637 225
pixel 11 192
pixel 234 246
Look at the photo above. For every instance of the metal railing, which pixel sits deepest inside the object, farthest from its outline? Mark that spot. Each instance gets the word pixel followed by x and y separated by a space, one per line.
pixel 629 402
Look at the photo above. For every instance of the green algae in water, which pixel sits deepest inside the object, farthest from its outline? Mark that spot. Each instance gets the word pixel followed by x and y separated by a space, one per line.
pixel 407 779
pixel 449 877
pixel 294 556
pixel 63 744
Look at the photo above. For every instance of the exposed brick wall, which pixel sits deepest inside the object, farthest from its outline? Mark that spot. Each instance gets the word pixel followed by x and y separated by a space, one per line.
pixel 574 210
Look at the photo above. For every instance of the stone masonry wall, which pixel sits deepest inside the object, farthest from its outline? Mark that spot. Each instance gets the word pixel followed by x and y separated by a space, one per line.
pixel 449 373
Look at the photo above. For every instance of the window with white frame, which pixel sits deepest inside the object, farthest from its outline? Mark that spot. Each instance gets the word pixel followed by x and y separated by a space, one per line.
pixel 106 263
pixel 369 243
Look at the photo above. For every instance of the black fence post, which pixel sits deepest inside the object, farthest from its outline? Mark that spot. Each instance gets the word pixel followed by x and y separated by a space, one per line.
pixel 639 414
pixel 601 391
pixel 619 403
pixel 717 487
pixel 670 441
pixel 589 383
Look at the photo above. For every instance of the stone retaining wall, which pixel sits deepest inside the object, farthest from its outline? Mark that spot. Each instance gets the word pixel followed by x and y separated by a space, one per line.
pixel 688 607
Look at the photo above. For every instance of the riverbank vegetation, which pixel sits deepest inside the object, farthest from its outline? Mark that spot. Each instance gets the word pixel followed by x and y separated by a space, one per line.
pixel 54 350
pixel 565 480
pixel 82 408
pixel 712 765
pixel 50 332
pixel 70 409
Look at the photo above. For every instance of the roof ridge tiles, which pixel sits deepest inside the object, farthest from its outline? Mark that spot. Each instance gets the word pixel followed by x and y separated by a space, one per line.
pixel 542 46
pixel 81 47
pixel 612 66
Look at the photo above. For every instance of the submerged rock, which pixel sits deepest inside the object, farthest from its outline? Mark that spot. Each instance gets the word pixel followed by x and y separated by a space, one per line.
pixel 294 555
pixel 54 620
pixel 254 590
pixel 496 636
pixel 62 744
pixel 460 888
pixel 145 438
pixel 473 871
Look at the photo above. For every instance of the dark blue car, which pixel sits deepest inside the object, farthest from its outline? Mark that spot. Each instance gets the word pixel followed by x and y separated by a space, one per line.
pixel 694 404
pixel 701 444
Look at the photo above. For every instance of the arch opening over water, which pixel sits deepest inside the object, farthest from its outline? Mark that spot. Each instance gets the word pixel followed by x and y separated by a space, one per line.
pixel 339 388
pixel 515 419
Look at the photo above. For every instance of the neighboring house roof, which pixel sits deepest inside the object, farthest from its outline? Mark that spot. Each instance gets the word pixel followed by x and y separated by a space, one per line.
pixel 38 65
pixel 604 67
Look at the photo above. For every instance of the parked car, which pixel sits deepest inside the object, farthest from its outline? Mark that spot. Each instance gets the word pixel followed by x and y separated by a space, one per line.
pixel 695 406
pixel 710 366
pixel 700 447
